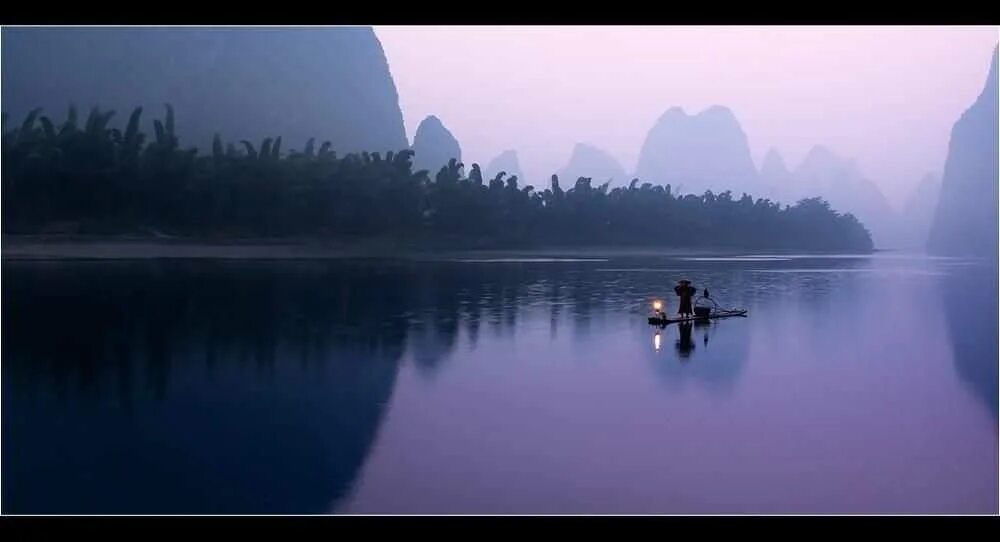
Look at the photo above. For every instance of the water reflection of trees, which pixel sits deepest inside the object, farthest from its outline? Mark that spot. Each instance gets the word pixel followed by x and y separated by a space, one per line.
pixel 969 295
pixel 232 387
pixel 73 325
pixel 259 387
pixel 67 323
pixel 175 388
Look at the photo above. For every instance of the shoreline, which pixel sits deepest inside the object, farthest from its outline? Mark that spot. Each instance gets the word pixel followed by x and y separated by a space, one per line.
pixel 35 247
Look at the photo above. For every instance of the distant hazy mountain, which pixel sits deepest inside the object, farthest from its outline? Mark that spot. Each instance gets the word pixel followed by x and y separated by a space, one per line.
pixel 838 180
pixel 329 83
pixel 695 153
pixel 434 146
pixel 918 211
pixel 774 167
pixel 506 161
pixel 965 221
pixel 774 176
pixel 589 161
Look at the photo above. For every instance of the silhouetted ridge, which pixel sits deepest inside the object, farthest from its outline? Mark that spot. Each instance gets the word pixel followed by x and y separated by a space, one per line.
pixel 434 146
pixel 706 151
pixel 825 174
pixel 590 161
pixel 244 83
pixel 504 162
pixel 773 169
pixel 965 222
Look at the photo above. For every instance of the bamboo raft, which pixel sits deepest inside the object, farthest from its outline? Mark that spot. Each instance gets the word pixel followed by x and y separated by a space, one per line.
pixel 655 321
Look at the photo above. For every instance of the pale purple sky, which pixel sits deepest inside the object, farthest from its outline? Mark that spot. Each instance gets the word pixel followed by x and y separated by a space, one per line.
pixel 886 96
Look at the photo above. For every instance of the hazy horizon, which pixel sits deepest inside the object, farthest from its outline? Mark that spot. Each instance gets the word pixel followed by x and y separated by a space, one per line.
pixel 884 96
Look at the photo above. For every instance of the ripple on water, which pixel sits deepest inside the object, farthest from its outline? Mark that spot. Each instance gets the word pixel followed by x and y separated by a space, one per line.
pixel 916 272
pixel 529 260
pixel 638 270
pixel 738 259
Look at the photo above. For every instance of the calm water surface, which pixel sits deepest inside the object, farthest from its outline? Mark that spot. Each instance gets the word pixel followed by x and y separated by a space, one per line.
pixel 858 384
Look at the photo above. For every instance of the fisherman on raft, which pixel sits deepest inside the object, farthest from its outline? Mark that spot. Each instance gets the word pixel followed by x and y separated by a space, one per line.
pixel 685 291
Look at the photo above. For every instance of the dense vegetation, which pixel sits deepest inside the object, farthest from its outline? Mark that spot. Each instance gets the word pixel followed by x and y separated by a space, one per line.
pixel 98 179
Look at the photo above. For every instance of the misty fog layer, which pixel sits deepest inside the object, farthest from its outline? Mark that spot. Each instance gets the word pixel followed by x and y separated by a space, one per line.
pixel 885 96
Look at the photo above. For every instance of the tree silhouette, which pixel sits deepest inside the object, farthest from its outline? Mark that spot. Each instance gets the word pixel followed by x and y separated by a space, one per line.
pixel 100 180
